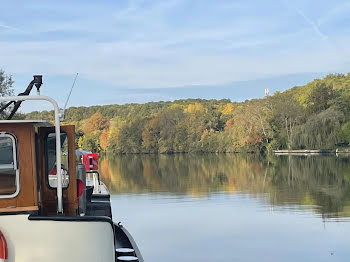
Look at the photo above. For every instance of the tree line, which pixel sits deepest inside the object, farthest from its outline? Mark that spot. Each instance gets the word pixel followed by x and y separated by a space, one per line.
pixel 313 116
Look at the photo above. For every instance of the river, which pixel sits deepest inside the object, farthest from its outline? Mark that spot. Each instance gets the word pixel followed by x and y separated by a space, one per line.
pixel 233 207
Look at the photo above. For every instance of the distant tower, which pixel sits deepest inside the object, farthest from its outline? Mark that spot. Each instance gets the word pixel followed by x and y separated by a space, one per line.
pixel 267 91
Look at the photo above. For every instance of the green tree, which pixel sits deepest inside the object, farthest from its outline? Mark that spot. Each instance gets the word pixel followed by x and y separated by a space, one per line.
pixel 151 134
pixel 320 131
pixel 319 98
pixel 6 88
pixel 168 123
pixel 91 141
pixel 130 137
pixel 181 138
pixel 113 142
pixel 287 113
pixel 344 134
pixel 6 82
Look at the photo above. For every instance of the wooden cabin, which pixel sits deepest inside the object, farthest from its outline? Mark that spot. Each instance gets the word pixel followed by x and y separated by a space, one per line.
pixel 43 217
pixel 27 168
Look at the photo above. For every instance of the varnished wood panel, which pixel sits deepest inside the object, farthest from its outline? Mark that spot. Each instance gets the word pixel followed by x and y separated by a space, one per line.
pixel 25 142
pixel 49 195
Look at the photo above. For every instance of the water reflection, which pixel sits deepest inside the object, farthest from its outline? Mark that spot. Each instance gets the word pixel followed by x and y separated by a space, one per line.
pixel 317 183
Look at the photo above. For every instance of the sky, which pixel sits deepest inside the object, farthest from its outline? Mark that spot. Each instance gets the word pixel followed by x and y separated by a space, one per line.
pixel 135 51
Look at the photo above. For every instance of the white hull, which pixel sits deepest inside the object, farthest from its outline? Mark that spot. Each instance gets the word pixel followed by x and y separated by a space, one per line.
pixel 57 241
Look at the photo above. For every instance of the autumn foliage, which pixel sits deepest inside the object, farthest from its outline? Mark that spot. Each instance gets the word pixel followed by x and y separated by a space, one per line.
pixel 97 122
pixel 104 139
pixel 314 116
pixel 228 109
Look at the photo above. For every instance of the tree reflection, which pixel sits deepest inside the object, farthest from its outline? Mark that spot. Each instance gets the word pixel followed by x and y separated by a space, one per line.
pixel 319 183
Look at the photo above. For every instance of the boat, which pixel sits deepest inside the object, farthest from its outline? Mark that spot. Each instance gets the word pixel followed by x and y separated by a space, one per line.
pixel 51 208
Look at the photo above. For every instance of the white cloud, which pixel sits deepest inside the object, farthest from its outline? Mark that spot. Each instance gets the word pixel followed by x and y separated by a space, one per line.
pixel 136 47
pixel 152 65
pixel 9 28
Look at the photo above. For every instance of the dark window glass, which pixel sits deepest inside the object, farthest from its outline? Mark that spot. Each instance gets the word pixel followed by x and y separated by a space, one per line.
pixel 51 170
pixel 8 166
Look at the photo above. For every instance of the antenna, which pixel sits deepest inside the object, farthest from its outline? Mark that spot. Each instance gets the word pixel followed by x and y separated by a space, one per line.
pixel 70 92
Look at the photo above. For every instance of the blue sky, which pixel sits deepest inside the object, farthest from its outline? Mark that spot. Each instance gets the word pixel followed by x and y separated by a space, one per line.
pixel 137 51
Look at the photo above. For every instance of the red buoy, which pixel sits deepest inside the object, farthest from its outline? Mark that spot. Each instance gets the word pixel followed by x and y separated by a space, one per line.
pixel 3 248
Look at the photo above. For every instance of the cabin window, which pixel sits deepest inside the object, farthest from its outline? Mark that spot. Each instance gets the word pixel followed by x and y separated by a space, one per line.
pixel 9 172
pixel 51 160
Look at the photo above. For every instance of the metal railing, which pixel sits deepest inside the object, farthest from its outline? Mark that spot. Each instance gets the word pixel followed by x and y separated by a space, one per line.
pixel 58 139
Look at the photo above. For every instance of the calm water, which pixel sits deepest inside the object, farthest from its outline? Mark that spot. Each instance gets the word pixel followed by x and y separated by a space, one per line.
pixel 233 207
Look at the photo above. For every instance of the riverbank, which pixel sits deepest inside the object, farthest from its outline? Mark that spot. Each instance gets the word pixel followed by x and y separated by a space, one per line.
pixel 311 152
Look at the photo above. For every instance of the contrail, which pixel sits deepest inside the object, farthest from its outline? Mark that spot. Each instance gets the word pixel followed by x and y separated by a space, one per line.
pixel 341 52
pixel 311 23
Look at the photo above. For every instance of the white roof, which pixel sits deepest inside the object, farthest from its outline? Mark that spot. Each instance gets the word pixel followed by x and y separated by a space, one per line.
pixel 36 122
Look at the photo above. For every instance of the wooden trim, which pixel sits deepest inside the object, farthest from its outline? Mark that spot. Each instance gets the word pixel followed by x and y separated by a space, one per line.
pixel 70 201
pixel 19 209
pixel 25 134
